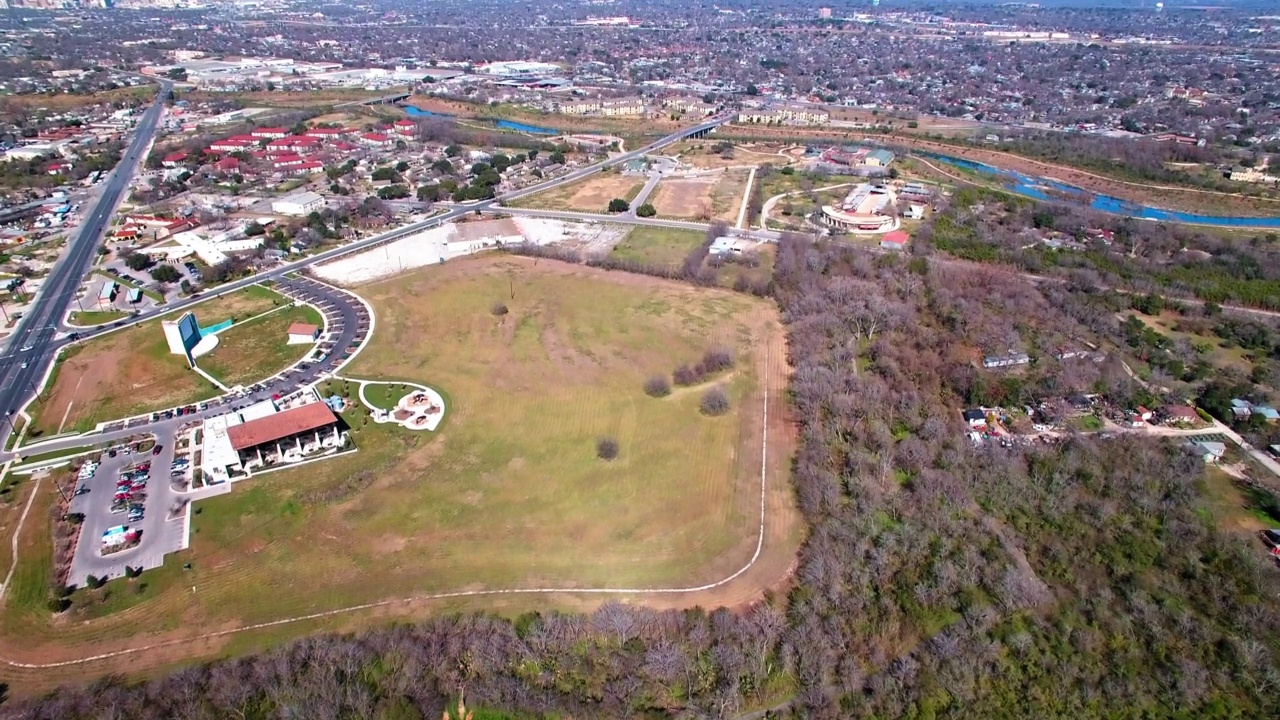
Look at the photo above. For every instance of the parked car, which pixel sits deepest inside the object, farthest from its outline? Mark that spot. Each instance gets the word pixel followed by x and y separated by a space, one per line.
pixel 156 450
pixel 1272 537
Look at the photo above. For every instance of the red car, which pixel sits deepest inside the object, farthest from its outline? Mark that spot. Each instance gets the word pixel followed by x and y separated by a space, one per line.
pixel 156 450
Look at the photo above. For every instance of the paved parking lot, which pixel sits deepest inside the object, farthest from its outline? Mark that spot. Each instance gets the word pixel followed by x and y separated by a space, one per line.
pixel 347 326
pixel 160 535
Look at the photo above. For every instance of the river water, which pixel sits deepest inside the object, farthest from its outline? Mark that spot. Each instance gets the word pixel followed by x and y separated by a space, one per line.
pixel 412 111
pixel 1039 188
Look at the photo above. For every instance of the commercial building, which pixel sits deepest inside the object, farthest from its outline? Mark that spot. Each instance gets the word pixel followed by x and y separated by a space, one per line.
pixel 519 69
pixel 263 434
pixel 863 210
pixel 298 204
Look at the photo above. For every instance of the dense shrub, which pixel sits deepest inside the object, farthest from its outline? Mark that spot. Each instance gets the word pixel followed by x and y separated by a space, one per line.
pixel 606 448
pixel 499 309
pixel 715 401
pixel 657 386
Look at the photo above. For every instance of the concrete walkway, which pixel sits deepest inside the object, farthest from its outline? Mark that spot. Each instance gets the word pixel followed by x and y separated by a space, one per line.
pixel 746 199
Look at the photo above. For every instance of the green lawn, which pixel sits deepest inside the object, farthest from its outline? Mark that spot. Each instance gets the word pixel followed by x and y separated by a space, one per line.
pixel 96 317
pixel 385 396
pixel 131 371
pixel 254 350
pixel 656 245
pixel 1086 423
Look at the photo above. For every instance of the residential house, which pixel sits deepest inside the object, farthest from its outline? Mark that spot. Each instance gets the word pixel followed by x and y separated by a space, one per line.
pixel 976 419
pixel 896 240
pixel 1209 451
pixel 1180 415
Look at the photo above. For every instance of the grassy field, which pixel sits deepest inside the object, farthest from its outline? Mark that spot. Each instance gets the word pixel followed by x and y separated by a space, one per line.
pixel 259 348
pixel 95 317
pixel 132 371
pixel 659 246
pixel 1219 354
pixel 590 195
pixel 508 494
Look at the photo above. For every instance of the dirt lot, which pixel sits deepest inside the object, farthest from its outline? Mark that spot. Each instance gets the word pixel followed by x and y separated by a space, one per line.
pixel 684 197
pixel 591 195
pixel 508 494
pixel 717 196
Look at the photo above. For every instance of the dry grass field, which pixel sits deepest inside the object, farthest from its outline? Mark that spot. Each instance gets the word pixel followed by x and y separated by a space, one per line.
pixel 508 494
pixel 688 198
pixel 132 371
pixel 716 196
pixel 590 195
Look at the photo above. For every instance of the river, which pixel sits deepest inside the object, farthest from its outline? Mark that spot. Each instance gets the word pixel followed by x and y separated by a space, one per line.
pixel 1039 188
pixel 412 111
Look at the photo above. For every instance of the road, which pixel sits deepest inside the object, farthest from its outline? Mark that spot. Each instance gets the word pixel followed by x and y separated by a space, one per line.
pixel 33 345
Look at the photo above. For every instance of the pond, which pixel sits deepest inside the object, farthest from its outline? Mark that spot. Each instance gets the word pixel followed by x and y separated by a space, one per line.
pixel 412 111
pixel 1040 189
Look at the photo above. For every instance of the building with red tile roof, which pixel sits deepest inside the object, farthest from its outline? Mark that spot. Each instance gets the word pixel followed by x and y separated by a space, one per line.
pixel 281 427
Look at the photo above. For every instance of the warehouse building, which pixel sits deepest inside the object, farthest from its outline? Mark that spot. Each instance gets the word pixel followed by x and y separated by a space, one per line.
pixel 298 205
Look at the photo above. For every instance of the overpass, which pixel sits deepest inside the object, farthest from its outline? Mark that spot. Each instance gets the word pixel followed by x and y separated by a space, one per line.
pixel 384 100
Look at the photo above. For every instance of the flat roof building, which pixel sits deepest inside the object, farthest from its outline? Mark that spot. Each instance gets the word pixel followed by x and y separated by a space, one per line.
pixel 298 204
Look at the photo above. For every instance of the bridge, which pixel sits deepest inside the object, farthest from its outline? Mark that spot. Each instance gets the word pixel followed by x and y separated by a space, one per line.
pixel 384 100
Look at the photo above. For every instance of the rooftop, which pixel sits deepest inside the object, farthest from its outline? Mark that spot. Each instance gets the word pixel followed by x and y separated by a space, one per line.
pixel 311 416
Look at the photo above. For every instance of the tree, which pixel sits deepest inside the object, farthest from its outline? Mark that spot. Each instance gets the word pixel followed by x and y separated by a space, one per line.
pixel 385 173
pixel 428 193
pixel 254 229
pixel 752 89
pixel 606 448
pixel 646 210
pixel 618 205
pixel 714 402
pixel 557 158
pixel 657 386
pixel 393 192
pixel 402 166
pixel 454 150
pixel 165 274
pixel 137 261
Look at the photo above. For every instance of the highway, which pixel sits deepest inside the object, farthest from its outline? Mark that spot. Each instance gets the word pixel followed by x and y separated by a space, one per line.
pixel 33 345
